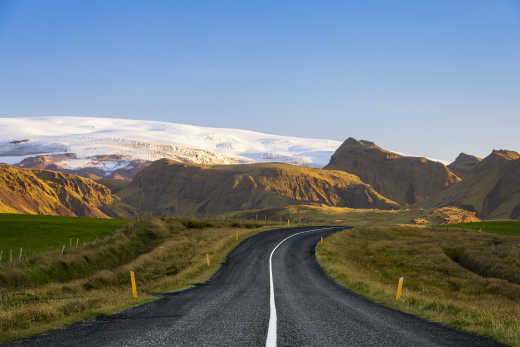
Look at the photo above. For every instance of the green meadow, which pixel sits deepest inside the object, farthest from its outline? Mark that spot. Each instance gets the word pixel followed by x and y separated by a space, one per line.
pixel 36 233
pixel 511 228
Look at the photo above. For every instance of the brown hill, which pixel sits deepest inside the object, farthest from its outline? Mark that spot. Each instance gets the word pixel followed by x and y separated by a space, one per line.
pixel 49 192
pixel 54 162
pixel 404 179
pixel 464 165
pixel 492 188
pixel 174 188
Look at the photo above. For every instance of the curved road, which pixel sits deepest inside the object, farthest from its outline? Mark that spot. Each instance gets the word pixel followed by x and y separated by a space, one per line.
pixel 246 304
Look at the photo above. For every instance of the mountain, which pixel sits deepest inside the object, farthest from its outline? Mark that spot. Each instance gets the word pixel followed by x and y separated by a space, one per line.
pixel 172 188
pixel 464 165
pixel 492 188
pixel 96 147
pixel 48 192
pixel 404 179
pixel 97 167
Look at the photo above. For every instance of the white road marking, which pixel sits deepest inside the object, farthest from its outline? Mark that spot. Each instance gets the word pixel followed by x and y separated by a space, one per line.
pixel 271 331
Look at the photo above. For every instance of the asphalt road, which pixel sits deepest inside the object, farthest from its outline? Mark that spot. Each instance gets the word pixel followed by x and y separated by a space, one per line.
pixel 235 308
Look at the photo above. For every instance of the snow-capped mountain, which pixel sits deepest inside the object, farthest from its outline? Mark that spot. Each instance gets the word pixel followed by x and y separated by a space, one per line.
pixel 109 144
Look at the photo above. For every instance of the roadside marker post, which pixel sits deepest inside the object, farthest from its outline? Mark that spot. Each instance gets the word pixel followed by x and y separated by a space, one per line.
pixel 134 288
pixel 236 236
pixel 399 288
pixel 207 260
pixel 321 240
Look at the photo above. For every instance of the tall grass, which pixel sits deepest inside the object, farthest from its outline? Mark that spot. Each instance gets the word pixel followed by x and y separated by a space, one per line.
pixel 166 254
pixel 465 279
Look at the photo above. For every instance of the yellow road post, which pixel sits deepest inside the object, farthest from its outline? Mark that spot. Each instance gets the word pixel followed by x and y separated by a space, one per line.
pixel 207 259
pixel 134 288
pixel 399 288
pixel 321 240
pixel 236 236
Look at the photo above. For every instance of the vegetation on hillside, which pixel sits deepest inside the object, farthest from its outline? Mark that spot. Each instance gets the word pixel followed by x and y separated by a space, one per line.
pixel 167 254
pixel 172 188
pixel 465 279
pixel 404 179
pixel 491 188
pixel 49 192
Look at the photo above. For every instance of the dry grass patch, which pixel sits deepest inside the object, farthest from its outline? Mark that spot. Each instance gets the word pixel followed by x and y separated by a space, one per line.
pixel 166 254
pixel 464 279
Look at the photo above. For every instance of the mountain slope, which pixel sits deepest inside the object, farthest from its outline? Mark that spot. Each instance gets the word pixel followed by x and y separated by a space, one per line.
pixel 492 188
pixel 173 188
pixel 49 192
pixel 464 165
pixel 404 179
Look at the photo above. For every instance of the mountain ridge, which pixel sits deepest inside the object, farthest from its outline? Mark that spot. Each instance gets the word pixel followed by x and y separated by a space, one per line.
pixel 33 191
pixel 402 178
pixel 169 187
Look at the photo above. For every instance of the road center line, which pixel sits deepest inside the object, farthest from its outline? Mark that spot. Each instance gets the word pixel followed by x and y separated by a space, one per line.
pixel 271 330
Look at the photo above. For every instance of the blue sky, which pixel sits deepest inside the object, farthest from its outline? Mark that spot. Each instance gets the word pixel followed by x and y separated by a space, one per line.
pixel 429 78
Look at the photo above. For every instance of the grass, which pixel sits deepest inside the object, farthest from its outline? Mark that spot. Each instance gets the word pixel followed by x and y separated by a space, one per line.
pixel 332 215
pixel 38 233
pixel 167 254
pixel 465 279
pixel 495 227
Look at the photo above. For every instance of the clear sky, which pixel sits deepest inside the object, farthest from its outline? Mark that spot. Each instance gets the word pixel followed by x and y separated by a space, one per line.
pixel 430 78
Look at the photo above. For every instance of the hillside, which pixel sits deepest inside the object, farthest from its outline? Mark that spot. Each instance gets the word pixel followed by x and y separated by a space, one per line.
pixel 464 165
pixel 171 188
pixel 492 188
pixel 97 167
pixel 404 179
pixel 49 192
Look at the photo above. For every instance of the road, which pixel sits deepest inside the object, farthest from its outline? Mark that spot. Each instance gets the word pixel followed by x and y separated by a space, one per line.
pixel 252 301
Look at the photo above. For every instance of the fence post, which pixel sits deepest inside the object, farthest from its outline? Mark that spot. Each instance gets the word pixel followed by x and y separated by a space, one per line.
pixel 134 288
pixel 62 249
pixel 399 288
pixel 77 242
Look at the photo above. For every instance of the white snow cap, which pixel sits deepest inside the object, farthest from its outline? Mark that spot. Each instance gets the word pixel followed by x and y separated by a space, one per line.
pixel 151 140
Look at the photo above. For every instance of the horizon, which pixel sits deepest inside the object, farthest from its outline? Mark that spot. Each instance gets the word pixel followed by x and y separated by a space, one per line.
pixel 418 155
pixel 432 80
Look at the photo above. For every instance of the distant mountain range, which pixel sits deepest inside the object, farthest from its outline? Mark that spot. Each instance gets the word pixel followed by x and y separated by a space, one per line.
pixel 98 147
pixel 208 172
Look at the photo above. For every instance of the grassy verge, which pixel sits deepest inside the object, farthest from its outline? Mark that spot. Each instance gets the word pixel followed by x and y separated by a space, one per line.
pixel 36 233
pixel 465 279
pixel 167 254
pixel 495 227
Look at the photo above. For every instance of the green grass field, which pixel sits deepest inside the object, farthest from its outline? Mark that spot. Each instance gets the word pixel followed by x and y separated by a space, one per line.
pixel 36 233
pixel 511 228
